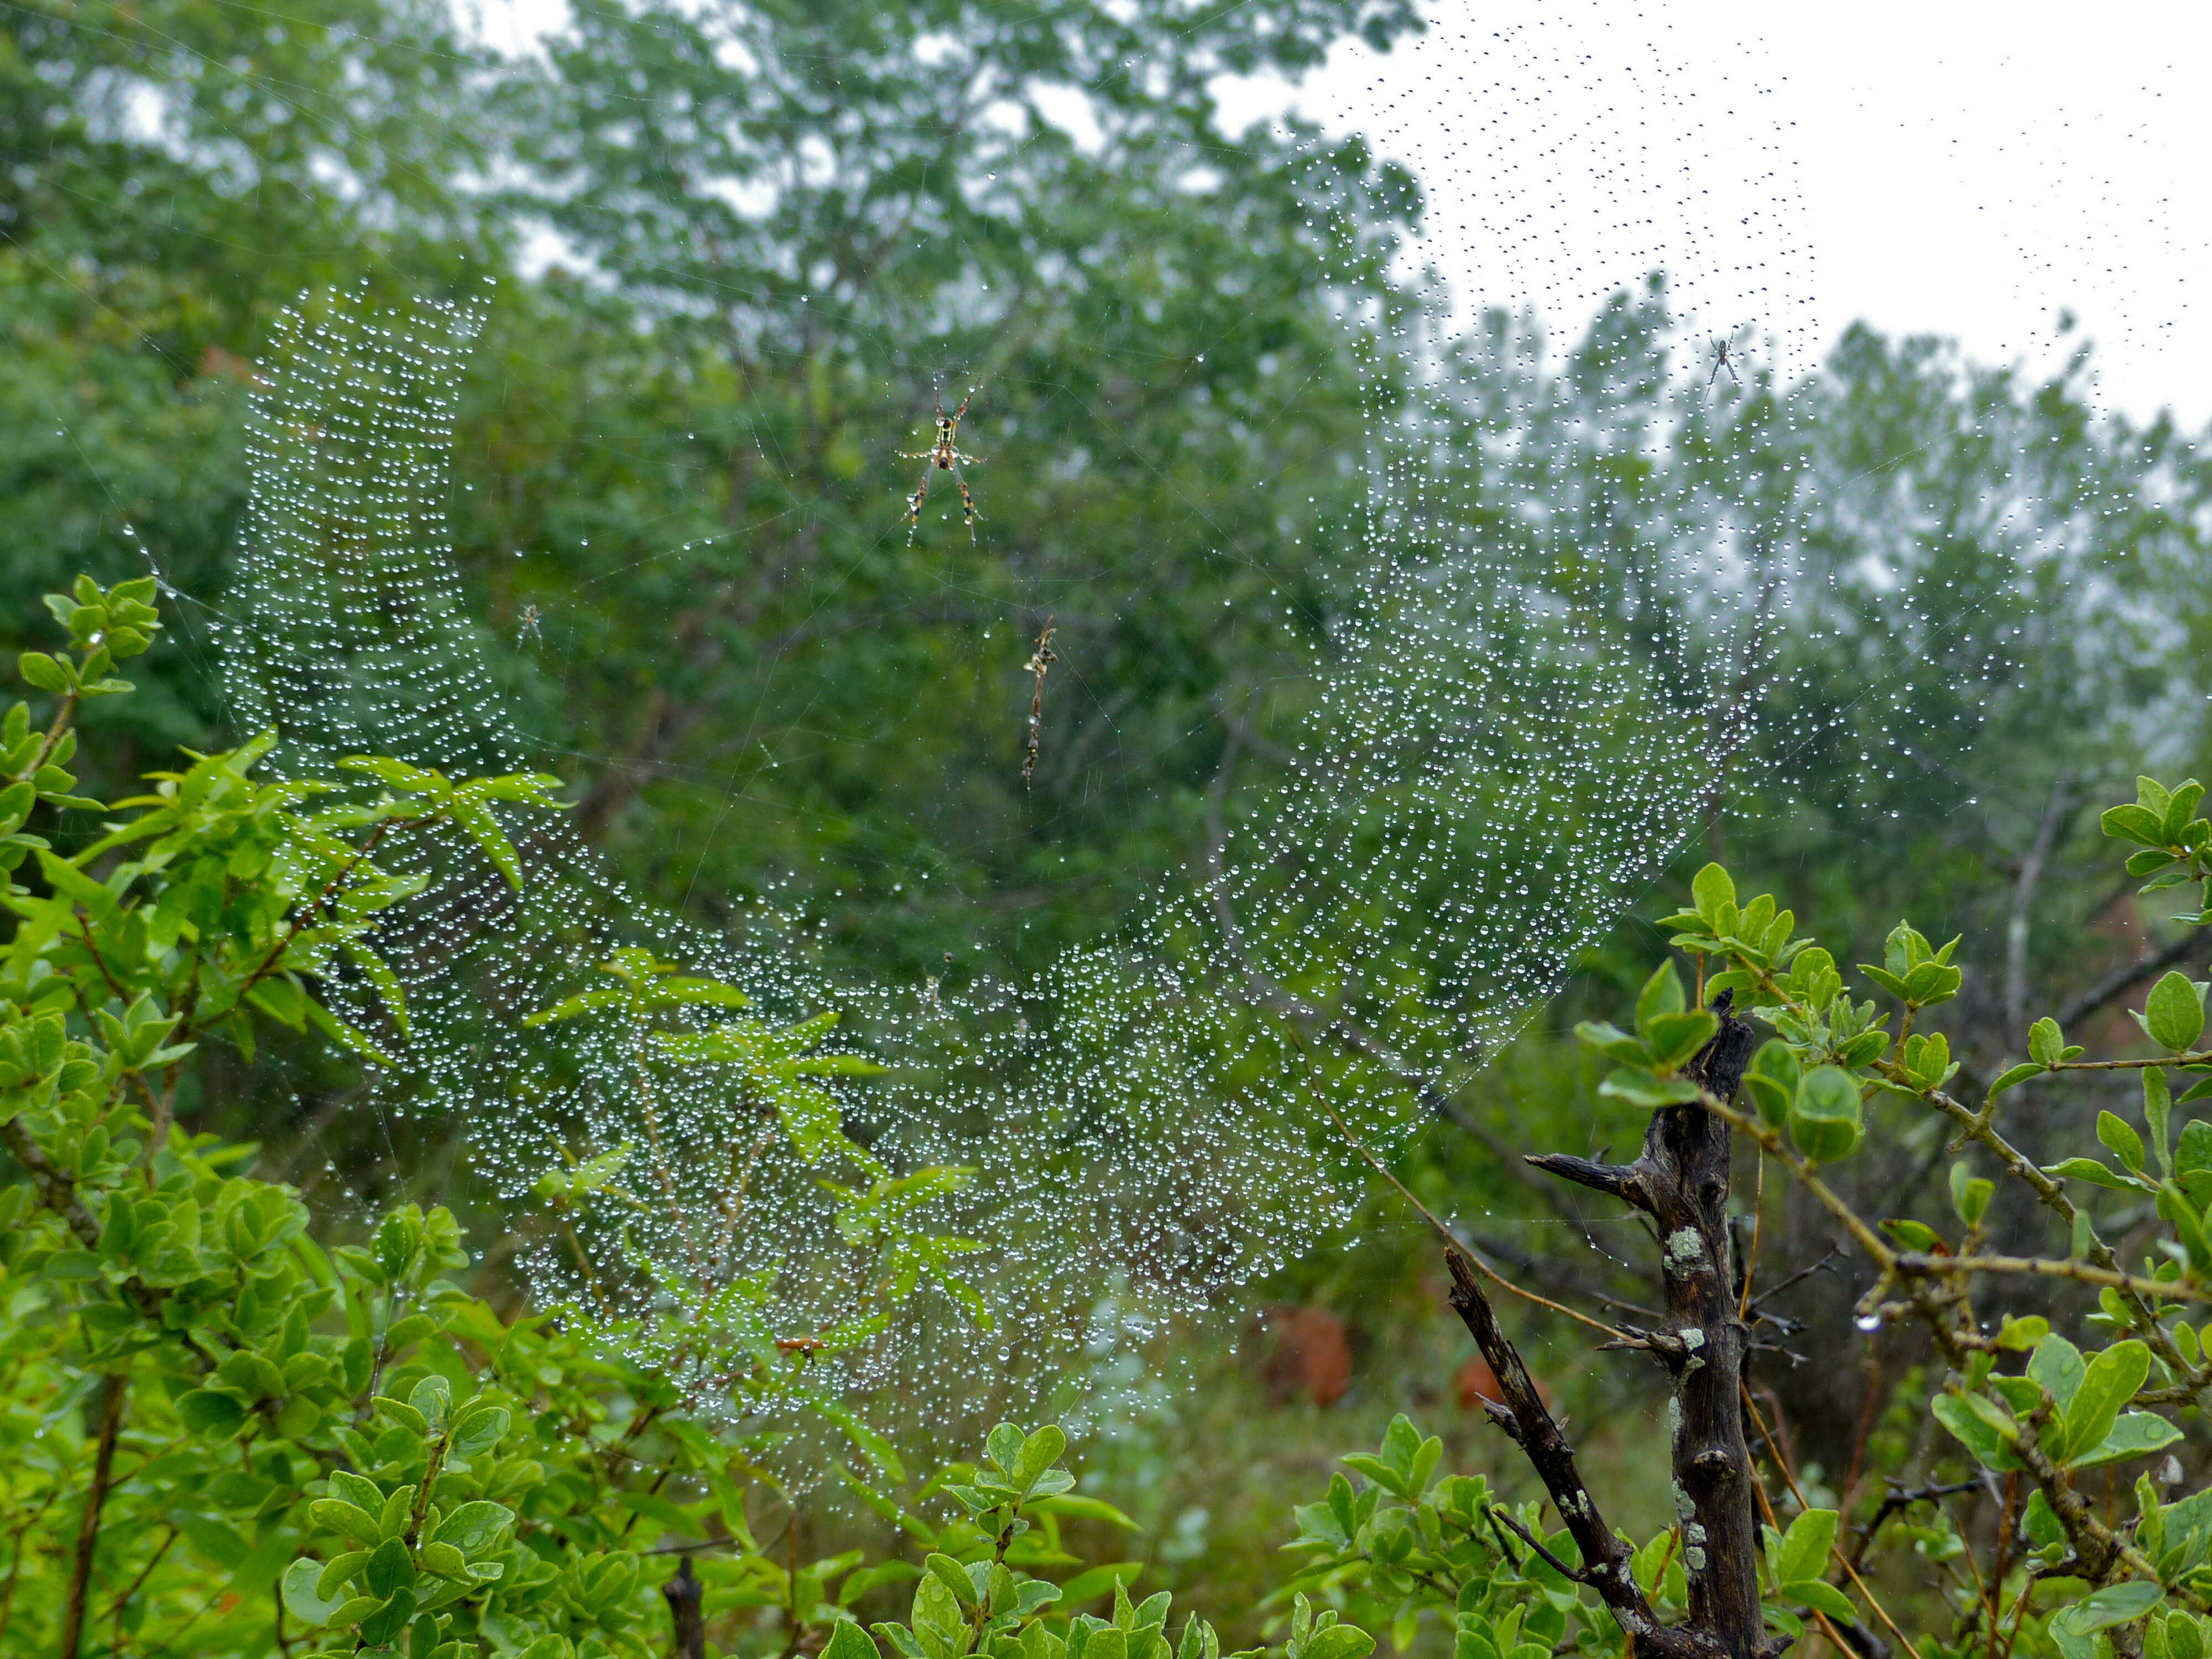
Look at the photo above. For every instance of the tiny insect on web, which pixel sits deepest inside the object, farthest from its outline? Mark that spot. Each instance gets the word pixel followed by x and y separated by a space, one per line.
pixel 1722 361
pixel 1040 659
pixel 528 627
pixel 943 456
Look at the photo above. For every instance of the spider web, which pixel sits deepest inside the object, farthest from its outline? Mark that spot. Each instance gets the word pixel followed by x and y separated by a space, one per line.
pixel 1494 753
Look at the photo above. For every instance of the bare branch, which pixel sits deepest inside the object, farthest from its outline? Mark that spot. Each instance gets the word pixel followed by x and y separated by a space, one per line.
pixel 1607 1558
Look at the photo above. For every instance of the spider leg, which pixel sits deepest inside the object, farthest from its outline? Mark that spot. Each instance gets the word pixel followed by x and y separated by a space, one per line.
pixel 913 506
pixel 967 501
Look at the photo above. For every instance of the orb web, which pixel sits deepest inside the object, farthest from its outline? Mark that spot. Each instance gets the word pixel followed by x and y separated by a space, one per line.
pixel 1570 584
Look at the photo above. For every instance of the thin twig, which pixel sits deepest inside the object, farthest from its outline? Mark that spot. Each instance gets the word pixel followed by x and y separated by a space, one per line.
pixel 1758 1219
pixel 1443 1231
pixel 1572 1575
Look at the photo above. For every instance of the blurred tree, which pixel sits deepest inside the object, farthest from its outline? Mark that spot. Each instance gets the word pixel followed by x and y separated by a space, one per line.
pixel 170 174
pixel 823 218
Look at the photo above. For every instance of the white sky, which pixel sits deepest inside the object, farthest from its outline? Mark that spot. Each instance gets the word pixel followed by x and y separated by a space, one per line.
pixel 1952 166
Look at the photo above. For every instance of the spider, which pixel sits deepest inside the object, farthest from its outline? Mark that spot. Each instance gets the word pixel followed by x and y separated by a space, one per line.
pixel 1721 362
pixel 529 629
pixel 943 457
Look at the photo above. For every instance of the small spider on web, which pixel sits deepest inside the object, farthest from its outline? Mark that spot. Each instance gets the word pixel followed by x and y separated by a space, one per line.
pixel 1040 659
pixel 943 456
pixel 528 630
pixel 1722 361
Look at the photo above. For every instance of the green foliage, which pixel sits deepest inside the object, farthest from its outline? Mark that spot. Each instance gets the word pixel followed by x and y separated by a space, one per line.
pixel 231 1435
pixel 210 1388
pixel 2066 1411
pixel 1413 1546
pixel 774 1075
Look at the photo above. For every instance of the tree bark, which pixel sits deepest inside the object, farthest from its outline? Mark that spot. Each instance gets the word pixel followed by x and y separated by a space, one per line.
pixel 1605 1557
pixel 686 1608
pixel 1681 1182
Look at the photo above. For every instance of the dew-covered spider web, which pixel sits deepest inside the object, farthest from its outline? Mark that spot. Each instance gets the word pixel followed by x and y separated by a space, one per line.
pixel 1563 643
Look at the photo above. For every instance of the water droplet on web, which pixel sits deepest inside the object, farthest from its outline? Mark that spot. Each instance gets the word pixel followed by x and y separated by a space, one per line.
pixel 1449 833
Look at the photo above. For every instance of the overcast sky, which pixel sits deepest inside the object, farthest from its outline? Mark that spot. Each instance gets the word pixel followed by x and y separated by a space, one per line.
pixel 1943 166
pixel 1954 167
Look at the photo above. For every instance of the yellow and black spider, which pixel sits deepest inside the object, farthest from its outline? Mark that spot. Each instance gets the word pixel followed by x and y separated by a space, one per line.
pixel 943 457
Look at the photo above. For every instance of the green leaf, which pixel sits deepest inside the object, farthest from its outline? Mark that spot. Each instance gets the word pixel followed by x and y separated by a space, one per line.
pixel 1002 1446
pixel 1638 1087
pixel 379 975
pixel 1825 1119
pixel 391 1569
pixel 482 829
pixel 1661 995
pixel 1970 1195
pixel 1805 1548
pixel 1711 888
pixel 2088 1169
pixel 848 1641
pixel 1675 1039
pixel 2173 1012
pixel 1379 1472
pixel 1819 1596
pixel 1340 1642
pixel 473 1526
pixel 1892 983
pixel 2056 1366
pixel 397 774
pixel 2121 1140
pixel 1612 1042
pixel 2158 1109
pixel 2136 1434
pixel 2180 809
pixel 2110 1382
pixel 2046 1045
pixel 2193 1153
pixel 1039 1452
pixel 388 1621
pixel 72 883
pixel 1914 1235
pixel 2114 1604
pixel 938 1622
pixel 339 1516
pixel 1974 1431
pixel 41 670
pixel 1771 1080
pixel 2012 1077
pixel 1077 1507
pixel 2135 823
pixel 954 1578
pixel 305 1602
pixel 207 1410
pixel 480 1430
